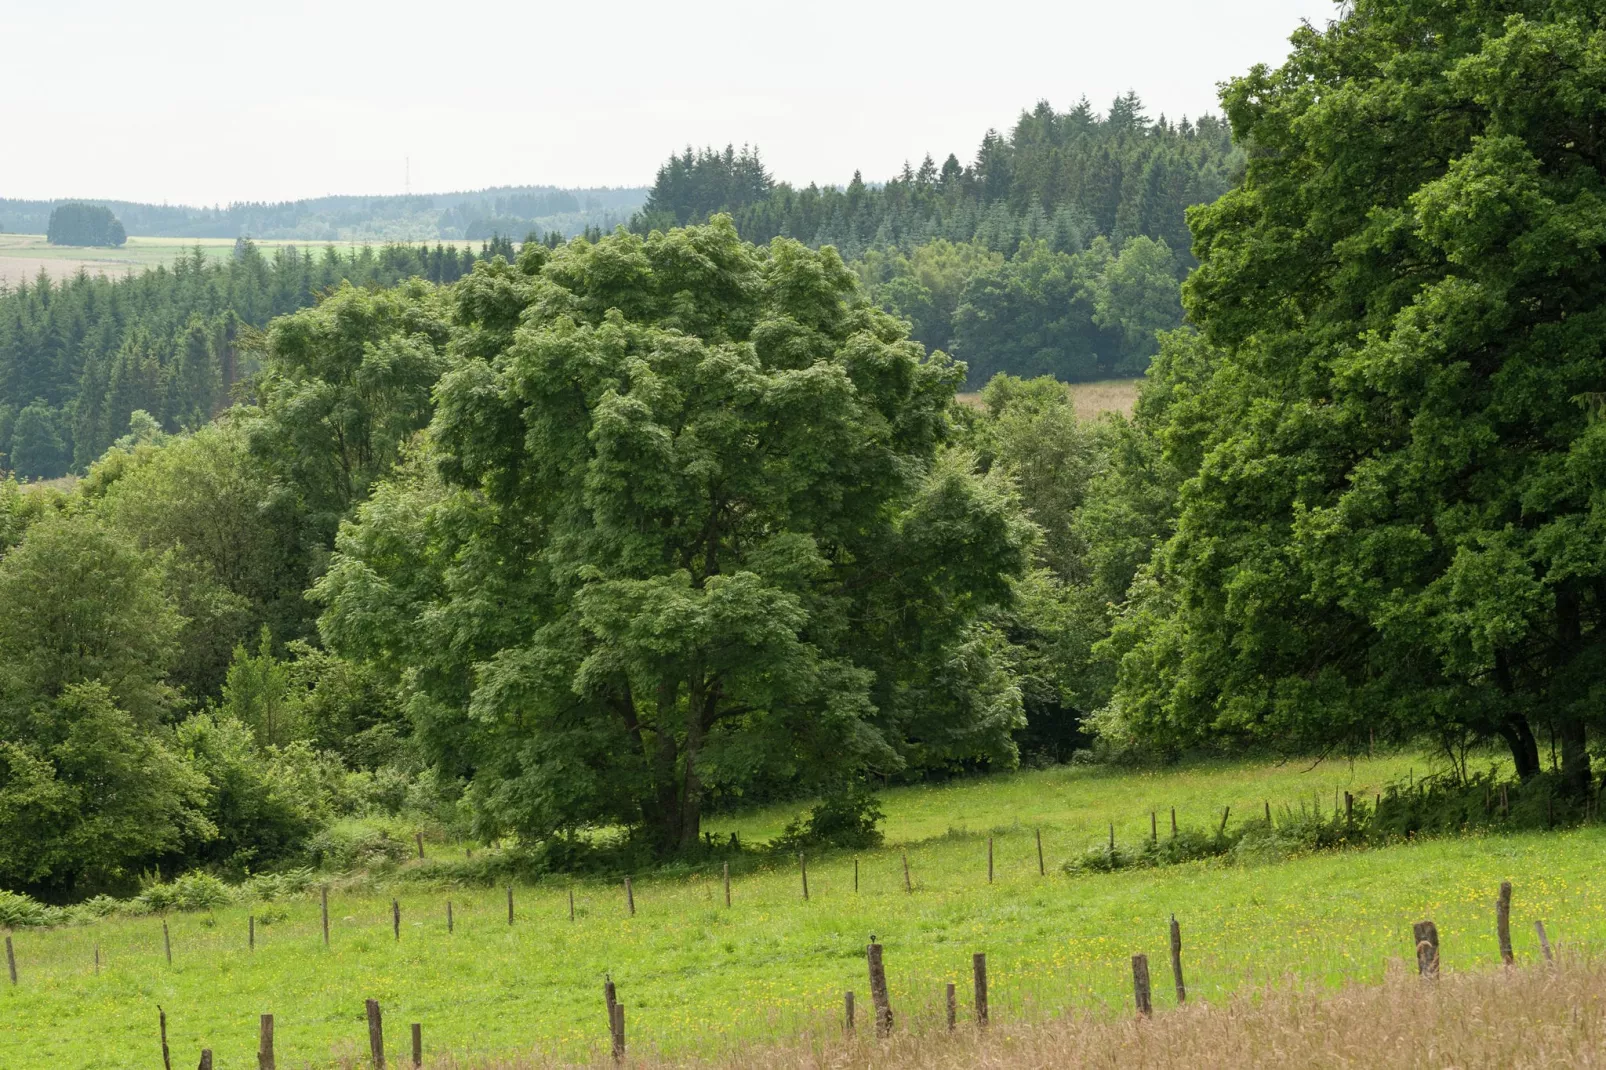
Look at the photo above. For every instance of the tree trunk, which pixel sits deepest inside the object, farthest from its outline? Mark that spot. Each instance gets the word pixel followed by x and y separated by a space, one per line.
pixel 1575 773
pixel 1524 745
pixel 700 707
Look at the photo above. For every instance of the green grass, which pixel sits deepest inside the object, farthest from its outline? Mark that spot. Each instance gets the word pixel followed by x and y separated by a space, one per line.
pixel 696 977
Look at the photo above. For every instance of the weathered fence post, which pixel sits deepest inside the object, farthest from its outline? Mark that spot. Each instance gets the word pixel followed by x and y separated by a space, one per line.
pixel 449 925
pixel 206 1060
pixel 1225 811
pixel 847 1013
pixel 326 915
pixel 1173 822
pixel 167 1058
pixel 803 871
pixel 251 932
pixel 618 1030
pixel 1349 808
pixel 418 1045
pixel 978 971
pixel 11 959
pixel 376 1035
pixel 989 860
pixel 510 904
pixel 1544 941
pixel 97 960
pixel 878 989
pixel 265 1044
pixel 1426 935
pixel 1176 960
pixel 1112 837
pixel 728 880
pixel 953 1006
pixel 1140 984
pixel 571 902
pixel 419 836
pixel 395 917
pixel 630 897
pixel 167 942
pixel 1041 871
pixel 1502 923
pixel 1154 827
pixel 908 885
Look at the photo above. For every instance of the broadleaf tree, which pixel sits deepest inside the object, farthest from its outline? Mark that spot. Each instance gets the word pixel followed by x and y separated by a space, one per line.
pixel 683 526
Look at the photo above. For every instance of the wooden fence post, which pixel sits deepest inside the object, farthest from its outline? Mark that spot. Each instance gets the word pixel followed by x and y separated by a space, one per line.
pixel 878 989
pixel 11 960
pixel 251 932
pixel 395 917
pixel 206 1059
pixel 1225 811
pixel 978 972
pixel 1173 822
pixel 1267 804
pixel 418 1045
pixel 630 897
pixel 1112 837
pixel 847 1013
pixel 376 1035
pixel 989 860
pixel 167 943
pixel 1041 871
pixel 727 877
pixel 1176 960
pixel 571 902
pixel 952 1006
pixel 908 885
pixel 1426 935
pixel 803 870
pixel 510 904
pixel 1154 827
pixel 97 960
pixel 1502 923
pixel 1349 808
pixel 167 1058
pixel 618 1031
pixel 326 915
pixel 449 925
pixel 1140 984
pixel 265 1044
pixel 1544 941
pixel 419 836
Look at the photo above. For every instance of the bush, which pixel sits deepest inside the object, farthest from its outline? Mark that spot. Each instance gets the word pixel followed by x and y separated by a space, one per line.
pixel 25 912
pixel 845 819
pixel 193 891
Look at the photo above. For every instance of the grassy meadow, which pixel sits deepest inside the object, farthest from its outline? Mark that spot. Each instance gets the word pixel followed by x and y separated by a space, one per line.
pixel 1089 399
pixel 699 979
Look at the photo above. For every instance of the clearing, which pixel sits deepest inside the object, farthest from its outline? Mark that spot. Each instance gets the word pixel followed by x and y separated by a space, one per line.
pixel 700 979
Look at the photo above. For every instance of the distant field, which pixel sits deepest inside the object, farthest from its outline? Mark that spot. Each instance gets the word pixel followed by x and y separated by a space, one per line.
pixel 1090 399
pixel 699 979
pixel 23 255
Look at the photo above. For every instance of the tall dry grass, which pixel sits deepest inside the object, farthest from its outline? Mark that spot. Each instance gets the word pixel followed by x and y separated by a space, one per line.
pixel 1523 1017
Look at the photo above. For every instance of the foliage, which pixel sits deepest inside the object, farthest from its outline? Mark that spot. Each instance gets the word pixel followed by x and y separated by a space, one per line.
pixel 86 795
pixel 1390 523
pixel 846 818
pixel 681 529
pixel 84 224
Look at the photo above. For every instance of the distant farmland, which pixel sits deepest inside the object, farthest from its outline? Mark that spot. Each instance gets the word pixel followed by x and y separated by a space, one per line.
pixel 23 255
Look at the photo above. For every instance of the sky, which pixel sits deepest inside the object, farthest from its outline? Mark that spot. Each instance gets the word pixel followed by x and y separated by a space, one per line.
pixel 207 103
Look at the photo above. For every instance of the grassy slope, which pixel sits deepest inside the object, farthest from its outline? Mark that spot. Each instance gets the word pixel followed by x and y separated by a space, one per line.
pixel 696 977
pixel 22 255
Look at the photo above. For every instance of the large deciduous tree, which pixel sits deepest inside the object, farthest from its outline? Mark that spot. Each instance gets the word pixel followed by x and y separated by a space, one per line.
pixel 681 525
pixel 1395 519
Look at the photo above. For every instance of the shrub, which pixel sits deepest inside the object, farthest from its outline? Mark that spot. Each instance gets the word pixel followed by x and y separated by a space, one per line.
pixel 24 912
pixel 193 891
pixel 845 819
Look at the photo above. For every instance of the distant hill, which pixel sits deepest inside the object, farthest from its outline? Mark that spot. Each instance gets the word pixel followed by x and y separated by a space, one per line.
pixel 511 211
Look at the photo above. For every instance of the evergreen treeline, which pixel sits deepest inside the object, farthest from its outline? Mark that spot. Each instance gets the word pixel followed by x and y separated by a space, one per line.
pixel 84 224
pixel 1067 177
pixel 475 214
pixel 1057 250
pixel 79 357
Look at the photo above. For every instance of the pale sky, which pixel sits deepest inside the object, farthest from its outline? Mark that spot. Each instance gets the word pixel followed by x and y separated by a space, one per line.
pixel 210 102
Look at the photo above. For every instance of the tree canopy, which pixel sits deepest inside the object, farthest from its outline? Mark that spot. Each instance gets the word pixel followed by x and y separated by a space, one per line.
pixel 682 528
pixel 84 224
